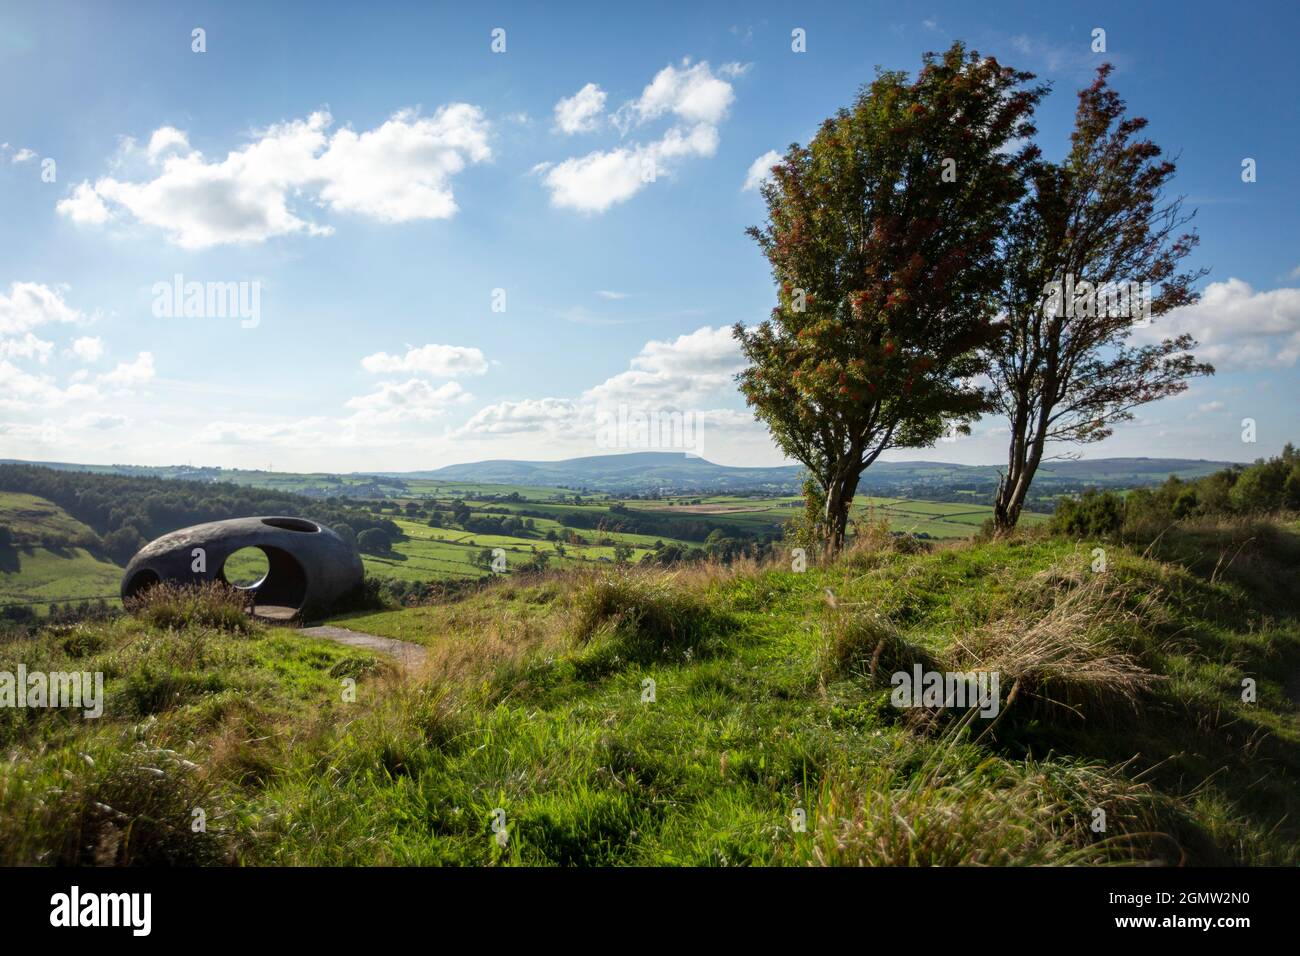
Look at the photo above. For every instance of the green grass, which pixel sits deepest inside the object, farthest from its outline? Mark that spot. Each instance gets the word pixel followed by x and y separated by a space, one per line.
pixel 1122 692
pixel 38 576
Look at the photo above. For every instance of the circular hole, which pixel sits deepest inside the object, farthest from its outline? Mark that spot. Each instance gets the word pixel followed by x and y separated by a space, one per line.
pixel 246 568
pixel 291 524
pixel 142 581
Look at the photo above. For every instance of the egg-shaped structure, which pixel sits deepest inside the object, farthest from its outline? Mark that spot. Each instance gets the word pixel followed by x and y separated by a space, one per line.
pixel 309 566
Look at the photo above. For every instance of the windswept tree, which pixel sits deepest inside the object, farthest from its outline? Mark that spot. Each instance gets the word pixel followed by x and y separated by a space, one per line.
pixel 882 235
pixel 1093 251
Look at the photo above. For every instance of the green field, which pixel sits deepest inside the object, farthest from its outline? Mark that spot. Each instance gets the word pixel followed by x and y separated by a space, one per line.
pixel 44 562
pixel 49 563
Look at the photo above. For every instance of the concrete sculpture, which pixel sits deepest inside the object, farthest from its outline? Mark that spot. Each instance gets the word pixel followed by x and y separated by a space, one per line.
pixel 309 566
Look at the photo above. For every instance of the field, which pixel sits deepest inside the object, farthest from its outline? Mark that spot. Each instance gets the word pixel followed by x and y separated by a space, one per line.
pixel 708 715
pixel 52 563
pixel 44 562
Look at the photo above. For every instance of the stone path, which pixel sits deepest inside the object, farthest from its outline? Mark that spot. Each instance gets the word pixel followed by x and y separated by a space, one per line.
pixel 406 652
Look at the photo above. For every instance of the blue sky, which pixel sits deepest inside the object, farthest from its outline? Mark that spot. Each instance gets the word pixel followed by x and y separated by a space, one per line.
pixel 454 250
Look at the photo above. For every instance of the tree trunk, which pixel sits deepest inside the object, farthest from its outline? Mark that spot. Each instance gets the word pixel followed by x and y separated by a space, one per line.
pixel 839 498
pixel 1022 464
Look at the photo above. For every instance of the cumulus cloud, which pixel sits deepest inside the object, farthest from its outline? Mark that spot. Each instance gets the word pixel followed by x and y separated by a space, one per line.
pixel 27 347
pixel 130 375
pixel 760 170
pixel 552 416
pixel 689 370
pixel 580 113
pixel 84 206
pixel 694 96
pixel 88 348
pixel 30 304
pixel 398 172
pixel 23 391
pixel 413 400
pixel 23 156
pixel 442 361
pixel 165 138
pixel 692 93
pixel 1236 326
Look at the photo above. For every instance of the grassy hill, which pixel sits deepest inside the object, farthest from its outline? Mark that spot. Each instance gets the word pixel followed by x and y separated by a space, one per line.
pixel 1121 703
pixel 47 560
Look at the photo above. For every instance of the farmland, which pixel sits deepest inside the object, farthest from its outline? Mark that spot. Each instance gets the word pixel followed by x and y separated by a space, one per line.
pixel 451 530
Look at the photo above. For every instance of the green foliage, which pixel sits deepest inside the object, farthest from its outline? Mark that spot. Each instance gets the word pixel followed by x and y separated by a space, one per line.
pixel 881 235
pixel 1265 487
pixel 1091 515
pixel 374 541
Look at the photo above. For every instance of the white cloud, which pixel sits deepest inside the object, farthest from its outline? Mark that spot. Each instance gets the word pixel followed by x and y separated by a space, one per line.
pixel 442 361
pixel 21 390
pixel 1237 327
pixel 165 138
pixel 100 421
pixel 27 347
pixel 553 416
pixel 23 156
pixel 412 400
pixel 580 113
pixel 402 171
pixel 84 206
pixel 610 294
pixel 130 375
pixel 88 348
pixel 689 371
pixel 30 304
pixel 760 170
pixel 694 95
pixel 397 172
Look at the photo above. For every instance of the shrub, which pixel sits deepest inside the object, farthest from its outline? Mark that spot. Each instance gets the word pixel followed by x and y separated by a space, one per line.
pixel 1092 515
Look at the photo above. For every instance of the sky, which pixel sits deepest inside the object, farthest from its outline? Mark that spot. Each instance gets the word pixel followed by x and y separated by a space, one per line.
pixel 386 237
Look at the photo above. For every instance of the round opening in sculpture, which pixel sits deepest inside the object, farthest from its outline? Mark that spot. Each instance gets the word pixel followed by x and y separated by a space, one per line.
pixel 141 581
pixel 292 524
pixel 246 568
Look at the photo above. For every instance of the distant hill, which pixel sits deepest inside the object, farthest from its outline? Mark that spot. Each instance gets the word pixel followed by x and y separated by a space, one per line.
pixel 666 472
pixel 675 473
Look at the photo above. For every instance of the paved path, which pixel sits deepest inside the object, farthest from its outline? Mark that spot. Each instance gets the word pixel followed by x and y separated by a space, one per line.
pixel 406 652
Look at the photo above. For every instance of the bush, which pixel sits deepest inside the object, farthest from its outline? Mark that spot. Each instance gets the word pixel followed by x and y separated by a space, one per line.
pixel 1092 515
pixel 374 541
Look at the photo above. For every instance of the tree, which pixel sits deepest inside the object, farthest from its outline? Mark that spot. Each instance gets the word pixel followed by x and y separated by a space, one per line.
pixel 1063 370
pixel 374 541
pixel 881 234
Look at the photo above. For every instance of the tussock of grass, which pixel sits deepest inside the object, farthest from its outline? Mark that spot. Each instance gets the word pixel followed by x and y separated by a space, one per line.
pixel 118 803
pixel 948 804
pixel 646 616
pixel 1064 659
pixel 864 644
pixel 210 604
